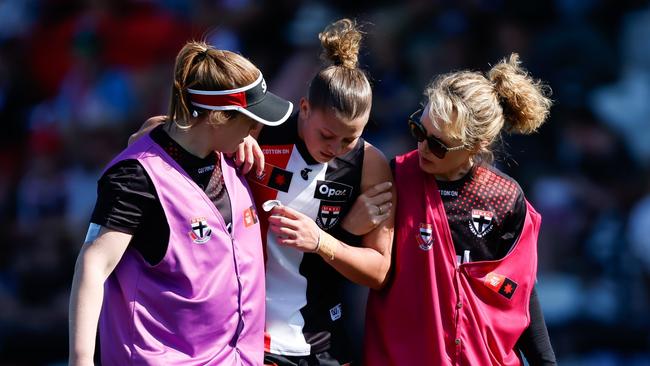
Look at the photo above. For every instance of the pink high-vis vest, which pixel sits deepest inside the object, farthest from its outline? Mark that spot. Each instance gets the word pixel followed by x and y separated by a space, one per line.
pixel 434 311
pixel 203 304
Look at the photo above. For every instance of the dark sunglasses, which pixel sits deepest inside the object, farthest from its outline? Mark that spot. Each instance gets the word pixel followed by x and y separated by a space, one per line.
pixel 437 147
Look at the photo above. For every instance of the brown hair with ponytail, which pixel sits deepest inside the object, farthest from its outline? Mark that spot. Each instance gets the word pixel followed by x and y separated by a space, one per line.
pixel 201 66
pixel 341 86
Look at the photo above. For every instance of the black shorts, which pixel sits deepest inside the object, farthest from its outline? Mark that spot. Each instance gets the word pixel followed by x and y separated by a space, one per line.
pixel 318 359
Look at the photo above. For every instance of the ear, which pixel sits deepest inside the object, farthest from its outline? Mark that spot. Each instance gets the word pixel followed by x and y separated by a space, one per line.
pixel 305 108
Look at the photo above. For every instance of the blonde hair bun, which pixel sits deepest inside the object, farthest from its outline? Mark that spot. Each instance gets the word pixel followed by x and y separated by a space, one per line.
pixel 524 100
pixel 341 41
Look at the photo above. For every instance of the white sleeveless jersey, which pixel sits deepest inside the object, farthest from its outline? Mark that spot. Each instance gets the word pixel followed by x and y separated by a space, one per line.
pixel 304 307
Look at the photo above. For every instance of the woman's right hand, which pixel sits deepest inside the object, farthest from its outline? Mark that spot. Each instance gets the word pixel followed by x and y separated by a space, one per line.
pixel 370 209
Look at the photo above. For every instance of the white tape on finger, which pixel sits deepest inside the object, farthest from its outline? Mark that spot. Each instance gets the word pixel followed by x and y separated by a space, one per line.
pixel 268 205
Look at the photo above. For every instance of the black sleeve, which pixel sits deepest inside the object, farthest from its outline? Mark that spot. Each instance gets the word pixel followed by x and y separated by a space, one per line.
pixel 125 194
pixel 513 224
pixel 534 343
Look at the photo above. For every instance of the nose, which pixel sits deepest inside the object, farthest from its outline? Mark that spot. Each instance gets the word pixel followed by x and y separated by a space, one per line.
pixel 333 149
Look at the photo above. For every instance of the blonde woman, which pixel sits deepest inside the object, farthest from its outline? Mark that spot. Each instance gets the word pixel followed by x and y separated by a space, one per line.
pixel 462 286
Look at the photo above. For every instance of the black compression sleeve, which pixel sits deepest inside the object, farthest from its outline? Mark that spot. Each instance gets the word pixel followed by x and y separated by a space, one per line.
pixel 534 343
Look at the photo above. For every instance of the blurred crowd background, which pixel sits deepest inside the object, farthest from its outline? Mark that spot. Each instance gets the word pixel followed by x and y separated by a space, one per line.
pixel 77 77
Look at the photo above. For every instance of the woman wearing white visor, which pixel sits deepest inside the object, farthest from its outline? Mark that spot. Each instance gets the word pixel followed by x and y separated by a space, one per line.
pixel 172 268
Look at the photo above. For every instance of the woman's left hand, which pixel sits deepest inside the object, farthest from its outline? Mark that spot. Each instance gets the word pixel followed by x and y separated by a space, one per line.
pixel 370 209
pixel 294 229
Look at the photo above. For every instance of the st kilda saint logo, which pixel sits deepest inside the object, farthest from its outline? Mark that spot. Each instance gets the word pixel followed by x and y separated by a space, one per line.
pixel 481 222
pixel 424 236
pixel 201 231
pixel 328 215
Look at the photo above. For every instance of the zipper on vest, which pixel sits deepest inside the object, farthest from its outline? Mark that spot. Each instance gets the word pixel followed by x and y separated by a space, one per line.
pixel 458 267
pixel 240 321
pixel 230 228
